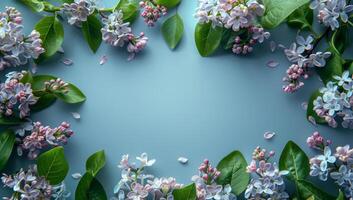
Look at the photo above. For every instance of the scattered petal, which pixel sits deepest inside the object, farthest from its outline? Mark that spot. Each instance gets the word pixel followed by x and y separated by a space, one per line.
pixel 76 176
pixel 312 120
pixel 272 64
pixel 269 135
pixel 67 61
pixel 76 115
pixel 103 60
pixel 61 50
pixel 183 160
pixel 304 105
pixel 273 46
pixel 282 46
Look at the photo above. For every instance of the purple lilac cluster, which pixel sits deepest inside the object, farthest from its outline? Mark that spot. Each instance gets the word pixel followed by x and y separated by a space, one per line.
pixel 206 186
pixel 116 32
pixel 269 183
pixel 78 11
pixel 43 137
pixel 239 16
pixel 15 48
pixel 27 185
pixel 339 166
pixel 332 12
pixel 301 54
pixel 16 97
pixel 336 101
pixel 135 184
pixel 152 12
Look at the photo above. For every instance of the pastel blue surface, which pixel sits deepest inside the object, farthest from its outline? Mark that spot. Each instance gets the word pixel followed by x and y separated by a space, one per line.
pixel 174 103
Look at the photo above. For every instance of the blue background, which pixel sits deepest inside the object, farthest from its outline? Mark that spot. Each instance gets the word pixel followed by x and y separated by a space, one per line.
pixel 174 103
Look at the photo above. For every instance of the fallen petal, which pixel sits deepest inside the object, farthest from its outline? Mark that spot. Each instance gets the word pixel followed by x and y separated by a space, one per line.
pixel 272 64
pixel 76 115
pixel 269 135
pixel 273 46
pixel 304 105
pixel 61 50
pixel 103 60
pixel 312 120
pixel 76 175
pixel 67 61
pixel 282 46
pixel 183 160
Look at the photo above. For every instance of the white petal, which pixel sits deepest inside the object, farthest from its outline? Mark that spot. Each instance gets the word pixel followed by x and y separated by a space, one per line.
pixel 103 60
pixel 34 68
pixel 304 105
pixel 183 160
pixel 76 115
pixel 312 120
pixel 67 61
pixel 282 46
pixel 273 46
pixel 272 64
pixel 76 176
pixel 269 135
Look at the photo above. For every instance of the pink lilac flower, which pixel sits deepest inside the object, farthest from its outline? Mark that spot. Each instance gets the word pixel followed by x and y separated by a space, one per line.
pixel 344 153
pixel 317 141
pixel 152 12
pixel 56 86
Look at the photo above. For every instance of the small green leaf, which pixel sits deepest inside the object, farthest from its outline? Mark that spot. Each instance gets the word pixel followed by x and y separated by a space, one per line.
pixel 10 121
pixel 233 172
pixel 91 30
pixel 35 5
pixel 310 110
pixel 168 3
pixel 53 166
pixel 301 18
pixel 130 9
pixel 95 163
pixel 278 10
pixel 172 30
pixel 207 38
pixel 308 190
pixel 294 159
pixel 340 196
pixel 333 67
pixel 52 34
pixel 89 188
pixel 185 193
pixel 7 142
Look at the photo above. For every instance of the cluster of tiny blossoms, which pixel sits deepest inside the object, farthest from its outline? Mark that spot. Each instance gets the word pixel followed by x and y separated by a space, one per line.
pixel 152 12
pixel 78 11
pixel 206 186
pixel 116 32
pixel 336 101
pixel 237 15
pixel 339 165
pixel 135 184
pixel 16 97
pixel 15 48
pixel 269 183
pixel 301 54
pixel 331 12
pixel 56 86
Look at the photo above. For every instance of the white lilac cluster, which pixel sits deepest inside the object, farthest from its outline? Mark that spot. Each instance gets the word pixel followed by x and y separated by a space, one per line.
pixel 301 54
pixel 152 12
pixel 16 97
pixel 42 137
pixel 78 11
pixel 269 183
pixel 206 186
pixel 239 16
pixel 16 48
pixel 339 165
pixel 135 184
pixel 116 32
pixel 336 101
pixel 332 12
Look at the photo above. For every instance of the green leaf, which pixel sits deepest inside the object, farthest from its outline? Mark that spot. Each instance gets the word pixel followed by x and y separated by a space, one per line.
pixel 74 95
pixel 233 172
pixel 278 10
pixel 52 35
pixel 207 38
pixel 53 166
pixel 130 9
pixel 310 110
pixel 172 30
pixel 95 163
pixel 91 30
pixel 10 121
pixel 333 67
pixel 168 3
pixel 43 102
pixel 185 193
pixel 89 188
pixel 7 142
pixel 340 196
pixel 294 159
pixel 301 18
pixel 229 36
pixel 339 40
pixel 27 78
pixel 35 5
pixel 308 190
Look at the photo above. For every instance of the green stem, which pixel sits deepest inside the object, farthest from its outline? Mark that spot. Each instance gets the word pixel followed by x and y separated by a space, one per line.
pixel 350 23
pixel 106 10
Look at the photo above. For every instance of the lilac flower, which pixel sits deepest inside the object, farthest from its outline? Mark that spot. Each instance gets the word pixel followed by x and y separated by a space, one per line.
pixel 344 153
pixel 152 12
pixel 78 11
pixel 138 192
pixel 326 159
pixel 317 141
pixel 304 44
pixel 237 19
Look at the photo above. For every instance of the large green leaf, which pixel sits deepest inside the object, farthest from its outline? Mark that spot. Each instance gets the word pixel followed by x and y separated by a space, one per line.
pixel 43 102
pixel 53 166
pixel 333 67
pixel 130 9
pixel 294 159
pixel 52 35
pixel 7 142
pixel 35 5
pixel 278 10
pixel 168 3
pixel 207 38
pixel 95 163
pixel 310 113
pixel 233 172
pixel 301 18
pixel 89 188
pixel 307 190
pixel 185 193
pixel 91 30
pixel 172 30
